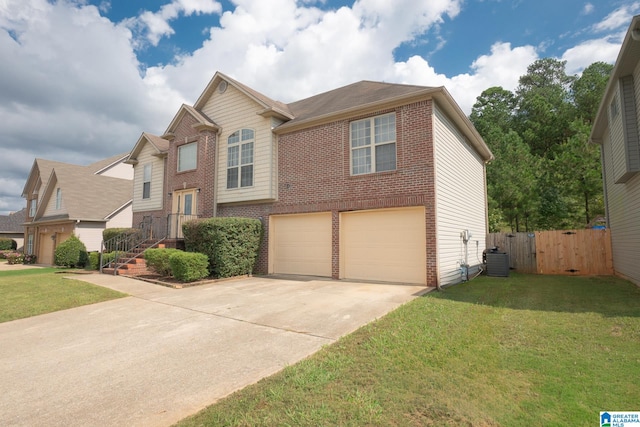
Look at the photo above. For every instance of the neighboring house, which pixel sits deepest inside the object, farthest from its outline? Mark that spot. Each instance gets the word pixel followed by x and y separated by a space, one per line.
pixel 63 198
pixel 616 130
pixel 371 181
pixel 11 226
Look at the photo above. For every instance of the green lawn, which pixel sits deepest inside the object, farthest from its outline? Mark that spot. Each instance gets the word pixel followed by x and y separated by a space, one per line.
pixel 520 351
pixel 26 293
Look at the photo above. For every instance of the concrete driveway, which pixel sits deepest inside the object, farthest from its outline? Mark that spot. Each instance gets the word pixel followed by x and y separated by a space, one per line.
pixel 162 354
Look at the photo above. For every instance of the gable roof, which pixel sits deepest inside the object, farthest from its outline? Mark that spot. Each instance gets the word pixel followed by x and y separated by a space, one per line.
pixel 104 164
pixel 363 97
pixel 159 145
pixel 86 196
pixel 354 96
pixel 12 223
pixel 270 106
pixel 366 97
pixel 628 58
pixel 40 170
pixel 202 121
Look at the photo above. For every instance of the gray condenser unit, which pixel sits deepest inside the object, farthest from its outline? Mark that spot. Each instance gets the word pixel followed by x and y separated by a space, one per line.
pixel 497 264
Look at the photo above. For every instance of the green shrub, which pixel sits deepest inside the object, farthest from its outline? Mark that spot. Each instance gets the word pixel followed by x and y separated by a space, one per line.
pixel 71 253
pixel 7 244
pixel 157 260
pixel 110 233
pixel 231 244
pixel 94 259
pixel 189 266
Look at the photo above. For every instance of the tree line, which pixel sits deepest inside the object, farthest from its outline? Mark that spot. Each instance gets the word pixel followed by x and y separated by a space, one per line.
pixel 545 174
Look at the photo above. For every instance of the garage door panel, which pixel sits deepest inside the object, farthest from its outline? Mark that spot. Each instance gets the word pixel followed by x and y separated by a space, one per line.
pixel 301 244
pixel 386 245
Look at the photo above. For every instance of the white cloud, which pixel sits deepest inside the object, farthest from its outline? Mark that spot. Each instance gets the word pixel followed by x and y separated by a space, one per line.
pixel 74 92
pixel 586 53
pixel 619 18
pixel 156 25
pixel 588 9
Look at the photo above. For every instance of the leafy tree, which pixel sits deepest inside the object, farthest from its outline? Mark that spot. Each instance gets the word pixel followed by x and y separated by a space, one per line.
pixel 578 167
pixel 589 88
pixel 511 179
pixel 544 109
pixel 493 109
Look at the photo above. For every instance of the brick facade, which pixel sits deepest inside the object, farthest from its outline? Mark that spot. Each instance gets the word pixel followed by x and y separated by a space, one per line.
pixel 314 176
pixel 314 166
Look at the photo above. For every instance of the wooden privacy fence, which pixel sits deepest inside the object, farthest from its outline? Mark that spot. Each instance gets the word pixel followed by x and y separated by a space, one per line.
pixel 571 252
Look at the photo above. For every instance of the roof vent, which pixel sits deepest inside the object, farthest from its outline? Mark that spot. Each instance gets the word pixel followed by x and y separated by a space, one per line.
pixel 222 86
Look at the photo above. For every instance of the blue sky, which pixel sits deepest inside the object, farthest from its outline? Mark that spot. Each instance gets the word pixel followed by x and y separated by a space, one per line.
pixel 80 80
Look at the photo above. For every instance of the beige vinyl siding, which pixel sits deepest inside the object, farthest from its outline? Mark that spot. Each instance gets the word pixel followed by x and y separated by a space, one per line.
pixel 90 233
pixel 122 219
pixel 623 214
pixel 460 199
pixel 51 204
pixel 233 110
pixel 618 161
pixel 120 170
pixel 157 181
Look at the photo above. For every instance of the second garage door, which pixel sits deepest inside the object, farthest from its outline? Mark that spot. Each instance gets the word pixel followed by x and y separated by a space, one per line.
pixel 384 244
pixel 300 244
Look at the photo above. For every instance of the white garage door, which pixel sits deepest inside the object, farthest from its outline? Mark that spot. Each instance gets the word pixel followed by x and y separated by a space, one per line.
pixel 300 244
pixel 385 244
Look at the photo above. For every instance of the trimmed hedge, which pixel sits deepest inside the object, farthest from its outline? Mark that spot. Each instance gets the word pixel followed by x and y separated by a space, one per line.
pixel 231 244
pixel 94 259
pixel 7 244
pixel 71 253
pixel 189 266
pixel 110 233
pixel 157 260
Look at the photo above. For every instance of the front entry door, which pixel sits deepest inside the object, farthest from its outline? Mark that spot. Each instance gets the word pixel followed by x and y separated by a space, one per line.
pixel 184 209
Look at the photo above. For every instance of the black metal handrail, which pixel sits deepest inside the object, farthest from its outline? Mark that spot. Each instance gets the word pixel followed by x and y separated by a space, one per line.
pixel 151 231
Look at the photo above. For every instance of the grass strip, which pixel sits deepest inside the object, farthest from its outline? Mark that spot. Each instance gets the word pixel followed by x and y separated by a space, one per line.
pixel 30 292
pixel 520 351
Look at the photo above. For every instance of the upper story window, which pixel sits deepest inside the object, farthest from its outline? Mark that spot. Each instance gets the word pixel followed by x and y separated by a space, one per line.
pixel 613 108
pixel 240 158
pixel 373 144
pixel 187 156
pixel 33 205
pixel 146 182
pixel 58 199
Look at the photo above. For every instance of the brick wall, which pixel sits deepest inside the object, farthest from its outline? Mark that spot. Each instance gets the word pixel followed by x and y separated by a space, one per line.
pixel 314 176
pixel 203 176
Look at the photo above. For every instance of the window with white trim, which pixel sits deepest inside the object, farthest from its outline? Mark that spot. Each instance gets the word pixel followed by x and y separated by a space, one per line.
pixel 146 182
pixel 58 199
pixel 187 157
pixel 373 144
pixel 240 158
pixel 30 244
pixel 33 205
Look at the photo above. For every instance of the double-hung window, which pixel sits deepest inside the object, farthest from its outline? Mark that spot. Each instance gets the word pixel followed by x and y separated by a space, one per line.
pixel 373 144
pixel 240 158
pixel 146 182
pixel 33 205
pixel 187 156
pixel 58 199
pixel 30 244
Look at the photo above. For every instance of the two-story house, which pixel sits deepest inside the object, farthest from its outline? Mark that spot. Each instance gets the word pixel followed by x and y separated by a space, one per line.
pixel 63 198
pixel 616 129
pixel 371 181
